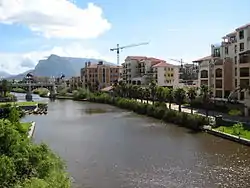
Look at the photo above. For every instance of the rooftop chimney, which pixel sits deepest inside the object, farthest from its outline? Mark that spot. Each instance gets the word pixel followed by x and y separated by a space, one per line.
pixel 100 63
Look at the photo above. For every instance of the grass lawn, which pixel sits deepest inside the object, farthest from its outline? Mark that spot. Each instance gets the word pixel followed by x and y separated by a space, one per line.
pixel 25 103
pixel 230 130
pixel 26 126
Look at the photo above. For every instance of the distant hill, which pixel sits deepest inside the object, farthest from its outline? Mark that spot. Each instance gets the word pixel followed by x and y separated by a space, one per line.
pixel 55 65
pixel 4 74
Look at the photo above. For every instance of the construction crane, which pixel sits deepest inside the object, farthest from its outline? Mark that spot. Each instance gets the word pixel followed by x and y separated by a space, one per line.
pixel 118 49
pixel 180 61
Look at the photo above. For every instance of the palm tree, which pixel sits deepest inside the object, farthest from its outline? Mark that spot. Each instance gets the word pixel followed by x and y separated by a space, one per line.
pixel 191 95
pixel 152 87
pixel 147 94
pixel 141 93
pixel 179 96
pixel 206 96
pixel 134 91
pixel 169 96
pixel 160 94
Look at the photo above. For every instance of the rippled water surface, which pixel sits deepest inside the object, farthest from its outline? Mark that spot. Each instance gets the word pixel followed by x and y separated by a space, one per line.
pixel 112 148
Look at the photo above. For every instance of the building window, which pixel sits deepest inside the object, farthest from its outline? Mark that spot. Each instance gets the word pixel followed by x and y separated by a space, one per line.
pixel 235 83
pixel 172 75
pixel 235 71
pixel 218 93
pixel 235 59
pixel 235 48
pixel 204 74
pixel 226 50
pixel 218 73
pixel 241 34
pixel 218 83
pixel 244 72
pixel 165 69
pixel 241 47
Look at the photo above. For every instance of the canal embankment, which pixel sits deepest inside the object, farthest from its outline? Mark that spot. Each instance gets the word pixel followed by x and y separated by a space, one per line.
pixel 32 129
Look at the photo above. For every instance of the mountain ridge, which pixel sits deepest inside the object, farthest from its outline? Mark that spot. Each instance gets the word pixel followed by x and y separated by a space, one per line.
pixel 56 65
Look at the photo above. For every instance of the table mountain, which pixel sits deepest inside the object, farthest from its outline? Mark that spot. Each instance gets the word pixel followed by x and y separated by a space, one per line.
pixel 55 65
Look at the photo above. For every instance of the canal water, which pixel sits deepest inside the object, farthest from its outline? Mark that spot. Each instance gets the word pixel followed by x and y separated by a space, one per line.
pixel 106 147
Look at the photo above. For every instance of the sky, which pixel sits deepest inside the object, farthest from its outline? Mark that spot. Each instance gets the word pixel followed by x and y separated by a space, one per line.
pixel 182 29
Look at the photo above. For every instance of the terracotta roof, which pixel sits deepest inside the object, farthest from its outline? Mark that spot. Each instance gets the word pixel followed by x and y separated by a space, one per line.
pixel 94 65
pixel 243 27
pixel 203 59
pixel 138 58
pixel 154 59
pixel 162 64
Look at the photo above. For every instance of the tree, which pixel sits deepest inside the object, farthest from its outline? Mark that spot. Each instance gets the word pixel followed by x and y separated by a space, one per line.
pixel 191 95
pixel 206 97
pixel 152 87
pixel 169 96
pixel 5 87
pixel 25 164
pixel 147 94
pixel 161 94
pixel 141 93
pixel 179 96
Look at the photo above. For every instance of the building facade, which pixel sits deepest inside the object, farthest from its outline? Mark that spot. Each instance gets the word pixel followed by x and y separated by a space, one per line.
pixel 138 70
pixel 164 74
pixel 75 82
pixel 98 76
pixel 228 66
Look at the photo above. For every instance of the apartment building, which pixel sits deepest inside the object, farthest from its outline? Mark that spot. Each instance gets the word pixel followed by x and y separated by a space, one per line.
pixel 163 74
pixel 99 75
pixel 75 82
pixel 228 66
pixel 138 70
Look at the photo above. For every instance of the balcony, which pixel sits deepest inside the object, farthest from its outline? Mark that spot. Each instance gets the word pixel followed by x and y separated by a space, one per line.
pixel 244 57
pixel 218 62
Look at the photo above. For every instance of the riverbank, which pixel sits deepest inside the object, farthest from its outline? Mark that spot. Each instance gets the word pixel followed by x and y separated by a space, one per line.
pixel 32 129
pixel 28 127
pixel 225 135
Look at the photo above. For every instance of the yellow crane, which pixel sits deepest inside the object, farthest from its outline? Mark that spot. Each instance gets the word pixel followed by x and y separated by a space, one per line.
pixel 119 48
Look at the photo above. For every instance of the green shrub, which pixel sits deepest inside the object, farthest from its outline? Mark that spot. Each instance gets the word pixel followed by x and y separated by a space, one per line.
pixel 18 90
pixel 158 110
pixel 235 112
pixel 25 164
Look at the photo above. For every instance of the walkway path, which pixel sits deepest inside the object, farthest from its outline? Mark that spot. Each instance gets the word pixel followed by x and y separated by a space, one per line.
pixel 202 112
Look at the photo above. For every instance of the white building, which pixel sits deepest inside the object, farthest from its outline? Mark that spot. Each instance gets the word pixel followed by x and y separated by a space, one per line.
pixel 138 69
pixel 164 74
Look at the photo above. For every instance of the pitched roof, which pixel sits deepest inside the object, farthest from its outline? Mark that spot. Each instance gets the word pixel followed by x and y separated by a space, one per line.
pixel 203 59
pixel 243 27
pixel 162 64
pixel 138 58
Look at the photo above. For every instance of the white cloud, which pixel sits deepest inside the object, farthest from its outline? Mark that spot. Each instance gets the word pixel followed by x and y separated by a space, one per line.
pixel 15 63
pixel 55 18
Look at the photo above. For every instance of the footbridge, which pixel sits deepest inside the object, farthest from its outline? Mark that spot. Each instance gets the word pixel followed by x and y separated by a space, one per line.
pixel 29 87
pixel 32 86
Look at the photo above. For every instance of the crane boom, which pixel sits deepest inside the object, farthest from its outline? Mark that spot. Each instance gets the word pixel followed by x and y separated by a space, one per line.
pixel 180 61
pixel 118 48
